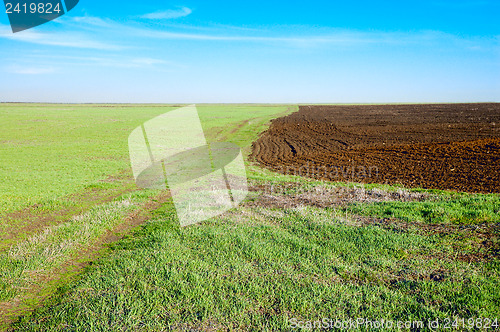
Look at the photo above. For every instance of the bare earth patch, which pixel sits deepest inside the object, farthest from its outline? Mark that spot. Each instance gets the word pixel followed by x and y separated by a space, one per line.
pixel 279 196
pixel 289 195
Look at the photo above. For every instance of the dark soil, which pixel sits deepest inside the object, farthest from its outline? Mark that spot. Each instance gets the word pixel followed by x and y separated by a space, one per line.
pixel 441 146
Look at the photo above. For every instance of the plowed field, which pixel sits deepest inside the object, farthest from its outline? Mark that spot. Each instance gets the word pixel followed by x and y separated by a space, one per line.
pixel 442 146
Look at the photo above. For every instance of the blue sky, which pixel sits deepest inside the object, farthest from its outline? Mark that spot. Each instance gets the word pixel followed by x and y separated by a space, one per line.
pixel 257 51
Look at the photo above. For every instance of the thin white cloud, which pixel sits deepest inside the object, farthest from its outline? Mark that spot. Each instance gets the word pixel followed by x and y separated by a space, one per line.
pixel 92 32
pixel 146 62
pixel 88 20
pixel 125 62
pixel 168 14
pixel 23 70
pixel 313 38
pixel 227 33
pixel 63 39
pixel 40 63
pixel 295 36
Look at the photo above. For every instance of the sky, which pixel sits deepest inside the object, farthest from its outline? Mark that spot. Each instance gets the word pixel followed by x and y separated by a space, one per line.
pixel 152 51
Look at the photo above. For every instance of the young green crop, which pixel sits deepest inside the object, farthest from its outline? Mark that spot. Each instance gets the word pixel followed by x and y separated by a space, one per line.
pixel 254 268
pixel 257 269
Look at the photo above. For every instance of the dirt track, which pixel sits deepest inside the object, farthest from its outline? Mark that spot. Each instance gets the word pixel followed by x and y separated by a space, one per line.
pixel 448 146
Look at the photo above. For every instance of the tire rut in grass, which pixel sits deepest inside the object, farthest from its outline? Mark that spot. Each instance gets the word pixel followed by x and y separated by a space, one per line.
pixel 44 283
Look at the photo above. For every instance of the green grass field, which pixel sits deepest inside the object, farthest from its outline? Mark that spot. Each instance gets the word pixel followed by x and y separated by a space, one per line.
pixel 261 266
